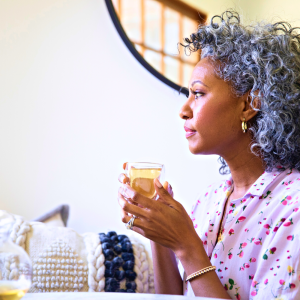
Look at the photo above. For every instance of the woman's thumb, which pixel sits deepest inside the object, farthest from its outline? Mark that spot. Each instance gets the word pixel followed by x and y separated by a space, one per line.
pixel 168 187
pixel 164 192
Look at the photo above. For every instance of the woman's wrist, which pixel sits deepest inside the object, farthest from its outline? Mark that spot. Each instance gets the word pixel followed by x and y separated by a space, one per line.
pixel 192 250
pixel 158 247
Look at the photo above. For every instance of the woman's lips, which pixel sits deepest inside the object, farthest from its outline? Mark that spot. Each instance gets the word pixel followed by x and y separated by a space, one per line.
pixel 189 132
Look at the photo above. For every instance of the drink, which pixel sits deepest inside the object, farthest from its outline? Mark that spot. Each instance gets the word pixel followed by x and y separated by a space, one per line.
pixel 13 289
pixel 142 180
pixel 12 295
pixel 15 265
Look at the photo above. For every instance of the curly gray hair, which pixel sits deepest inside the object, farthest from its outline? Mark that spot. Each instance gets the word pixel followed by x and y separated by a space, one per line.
pixel 264 60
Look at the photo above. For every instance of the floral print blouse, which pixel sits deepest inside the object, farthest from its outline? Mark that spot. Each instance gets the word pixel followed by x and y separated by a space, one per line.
pixel 257 256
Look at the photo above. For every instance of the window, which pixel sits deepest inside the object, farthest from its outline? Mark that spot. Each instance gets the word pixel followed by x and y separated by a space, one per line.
pixel 155 27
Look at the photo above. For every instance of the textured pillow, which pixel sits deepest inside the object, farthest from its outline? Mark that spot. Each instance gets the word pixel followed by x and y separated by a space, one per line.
pixel 56 217
pixel 127 264
pixel 64 260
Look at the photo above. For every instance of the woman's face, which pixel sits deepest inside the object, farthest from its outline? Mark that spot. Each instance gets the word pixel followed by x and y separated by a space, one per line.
pixel 212 113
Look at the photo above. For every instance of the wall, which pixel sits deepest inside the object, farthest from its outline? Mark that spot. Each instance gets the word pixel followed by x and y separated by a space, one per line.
pixel 75 105
pixel 255 10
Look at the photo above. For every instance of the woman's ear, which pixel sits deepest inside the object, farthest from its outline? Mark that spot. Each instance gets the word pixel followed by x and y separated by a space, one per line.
pixel 251 106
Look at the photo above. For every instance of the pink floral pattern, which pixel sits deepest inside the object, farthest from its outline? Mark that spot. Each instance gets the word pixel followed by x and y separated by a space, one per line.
pixel 258 256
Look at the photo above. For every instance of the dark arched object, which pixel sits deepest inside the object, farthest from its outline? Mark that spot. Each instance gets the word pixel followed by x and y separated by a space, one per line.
pixel 136 54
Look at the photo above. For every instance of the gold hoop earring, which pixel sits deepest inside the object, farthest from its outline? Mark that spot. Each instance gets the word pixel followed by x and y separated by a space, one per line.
pixel 244 125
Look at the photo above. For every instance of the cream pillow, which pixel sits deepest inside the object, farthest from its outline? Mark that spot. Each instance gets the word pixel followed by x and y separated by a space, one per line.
pixel 56 217
pixel 64 260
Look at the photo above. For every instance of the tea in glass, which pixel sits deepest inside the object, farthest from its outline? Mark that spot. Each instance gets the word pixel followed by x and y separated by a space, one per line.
pixel 13 289
pixel 142 177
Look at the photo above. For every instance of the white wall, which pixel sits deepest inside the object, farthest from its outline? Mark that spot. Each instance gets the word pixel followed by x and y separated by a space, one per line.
pixel 75 105
pixel 254 10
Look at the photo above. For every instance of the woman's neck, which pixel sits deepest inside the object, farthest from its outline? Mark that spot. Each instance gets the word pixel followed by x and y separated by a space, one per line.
pixel 245 169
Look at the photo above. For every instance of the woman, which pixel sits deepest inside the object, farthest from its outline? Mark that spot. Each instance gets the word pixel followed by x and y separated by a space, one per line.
pixel 244 106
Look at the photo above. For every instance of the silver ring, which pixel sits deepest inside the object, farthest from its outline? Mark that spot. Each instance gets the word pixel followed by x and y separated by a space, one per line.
pixel 129 225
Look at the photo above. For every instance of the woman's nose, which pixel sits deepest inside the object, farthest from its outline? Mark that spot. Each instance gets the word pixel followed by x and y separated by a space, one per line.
pixel 186 111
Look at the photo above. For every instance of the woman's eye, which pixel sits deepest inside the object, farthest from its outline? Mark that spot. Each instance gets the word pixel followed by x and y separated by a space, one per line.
pixel 198 95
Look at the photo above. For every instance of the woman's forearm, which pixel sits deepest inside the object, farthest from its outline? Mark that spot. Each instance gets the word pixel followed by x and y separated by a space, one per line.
pixel 193 259
pixel 167 279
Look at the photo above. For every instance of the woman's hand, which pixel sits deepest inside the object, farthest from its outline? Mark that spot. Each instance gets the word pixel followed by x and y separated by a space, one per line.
pixel 164 221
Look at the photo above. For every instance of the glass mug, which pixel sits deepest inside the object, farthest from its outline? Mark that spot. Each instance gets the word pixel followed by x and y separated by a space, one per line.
pixel 142 175
pixel 15 268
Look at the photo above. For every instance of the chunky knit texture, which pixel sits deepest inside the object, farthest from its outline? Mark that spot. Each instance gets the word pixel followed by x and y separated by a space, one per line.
pixel 65 261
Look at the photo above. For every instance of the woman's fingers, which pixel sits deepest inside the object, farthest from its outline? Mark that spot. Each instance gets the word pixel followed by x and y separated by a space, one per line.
pixel 164 200
pixel 130 208
pixel 137 224
pixel 168 187
pixel 164 194
pixel 123 178
pixel 128 192
pixel 124 214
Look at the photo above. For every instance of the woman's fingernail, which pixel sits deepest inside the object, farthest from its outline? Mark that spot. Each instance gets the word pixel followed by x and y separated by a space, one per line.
pixel 157 183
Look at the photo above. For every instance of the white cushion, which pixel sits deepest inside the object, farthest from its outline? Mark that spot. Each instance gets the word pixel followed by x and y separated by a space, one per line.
pixel 64 260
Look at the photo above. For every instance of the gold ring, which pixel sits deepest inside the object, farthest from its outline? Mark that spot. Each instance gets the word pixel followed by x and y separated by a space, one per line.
pixel 129 225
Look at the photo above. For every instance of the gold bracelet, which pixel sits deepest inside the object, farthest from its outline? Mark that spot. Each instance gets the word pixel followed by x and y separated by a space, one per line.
pixel 200 272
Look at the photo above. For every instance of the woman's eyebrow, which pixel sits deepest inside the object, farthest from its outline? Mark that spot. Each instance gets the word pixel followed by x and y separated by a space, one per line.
pixel 198 81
